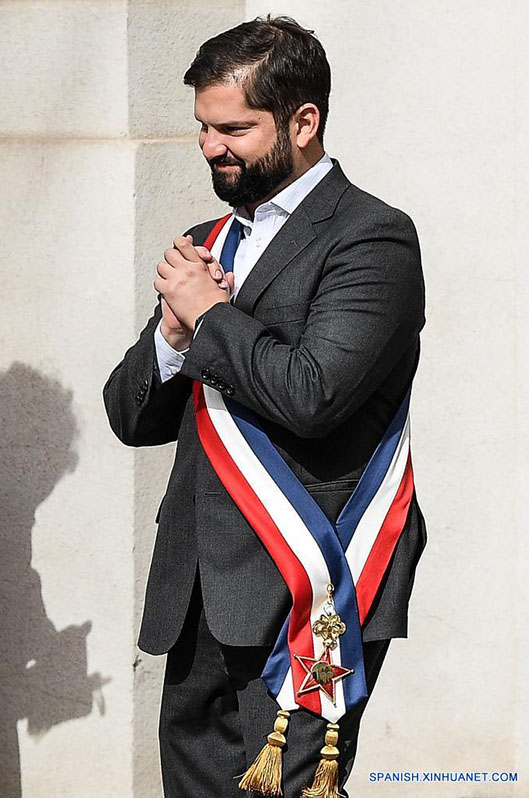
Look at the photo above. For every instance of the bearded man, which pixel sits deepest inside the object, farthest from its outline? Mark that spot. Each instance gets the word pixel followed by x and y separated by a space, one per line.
pixel 280 356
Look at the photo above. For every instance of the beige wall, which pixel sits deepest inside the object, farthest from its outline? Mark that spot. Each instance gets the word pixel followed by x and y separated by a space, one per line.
pixel 99 169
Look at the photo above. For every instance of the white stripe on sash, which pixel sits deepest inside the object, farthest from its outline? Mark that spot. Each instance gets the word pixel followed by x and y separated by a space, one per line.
pixel 371 522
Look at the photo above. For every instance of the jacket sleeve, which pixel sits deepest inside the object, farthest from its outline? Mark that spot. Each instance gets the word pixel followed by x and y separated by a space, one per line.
pixel 366 313
pixel 142 410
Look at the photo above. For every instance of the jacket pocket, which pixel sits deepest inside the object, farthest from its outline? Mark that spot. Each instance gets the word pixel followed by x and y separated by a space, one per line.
pixel 337 485
pixel 332 496
pixel 277 314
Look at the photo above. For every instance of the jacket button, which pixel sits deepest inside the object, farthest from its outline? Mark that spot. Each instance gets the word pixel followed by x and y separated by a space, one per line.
pixel 205 374
pixel 221 385
pixel 230 390
pixel 145 384
pixel 213 379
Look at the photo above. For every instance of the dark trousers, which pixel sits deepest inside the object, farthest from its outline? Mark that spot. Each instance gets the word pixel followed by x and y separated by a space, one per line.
pixel 216 714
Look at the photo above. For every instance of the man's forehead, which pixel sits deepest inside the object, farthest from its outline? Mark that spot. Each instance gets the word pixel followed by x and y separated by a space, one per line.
pixel 225 104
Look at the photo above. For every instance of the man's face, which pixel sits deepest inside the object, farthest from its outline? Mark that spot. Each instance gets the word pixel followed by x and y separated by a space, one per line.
pixel 248 157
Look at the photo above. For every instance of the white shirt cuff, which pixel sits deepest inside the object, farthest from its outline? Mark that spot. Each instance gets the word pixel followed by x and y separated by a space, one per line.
pixel 169 360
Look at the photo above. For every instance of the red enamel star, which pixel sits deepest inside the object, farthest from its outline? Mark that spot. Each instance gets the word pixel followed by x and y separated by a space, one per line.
pixel 327 687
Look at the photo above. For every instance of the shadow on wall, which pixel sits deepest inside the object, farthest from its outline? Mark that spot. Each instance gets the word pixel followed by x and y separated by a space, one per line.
pixel 43 671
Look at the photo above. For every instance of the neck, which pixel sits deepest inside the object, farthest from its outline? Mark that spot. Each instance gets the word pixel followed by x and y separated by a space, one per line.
pixel 305 161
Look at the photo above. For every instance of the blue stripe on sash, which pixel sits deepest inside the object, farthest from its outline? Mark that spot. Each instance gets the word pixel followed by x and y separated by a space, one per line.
pixel 233 239
pixel 372 477
pixel 278 663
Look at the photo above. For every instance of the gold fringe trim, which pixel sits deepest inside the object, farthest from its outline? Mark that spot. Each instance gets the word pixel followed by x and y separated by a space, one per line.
pixel 325 784
pixel 264 774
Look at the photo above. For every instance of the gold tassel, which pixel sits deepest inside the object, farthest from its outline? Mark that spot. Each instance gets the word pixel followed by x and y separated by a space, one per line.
pixel 325 784
pixel 264 775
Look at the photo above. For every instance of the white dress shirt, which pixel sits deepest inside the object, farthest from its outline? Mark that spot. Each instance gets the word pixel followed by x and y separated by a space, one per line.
pixel 258 232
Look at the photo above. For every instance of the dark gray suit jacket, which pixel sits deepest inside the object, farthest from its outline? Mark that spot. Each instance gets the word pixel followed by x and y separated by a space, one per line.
pixel 322 342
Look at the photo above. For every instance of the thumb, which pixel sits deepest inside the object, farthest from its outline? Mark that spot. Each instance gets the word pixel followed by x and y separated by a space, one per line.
pixel 216 272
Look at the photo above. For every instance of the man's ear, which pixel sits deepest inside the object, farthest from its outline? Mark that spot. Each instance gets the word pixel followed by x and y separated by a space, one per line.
pixel 306 121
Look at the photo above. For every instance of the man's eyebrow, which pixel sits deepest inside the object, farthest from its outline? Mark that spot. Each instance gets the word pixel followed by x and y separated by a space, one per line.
pixel 230 123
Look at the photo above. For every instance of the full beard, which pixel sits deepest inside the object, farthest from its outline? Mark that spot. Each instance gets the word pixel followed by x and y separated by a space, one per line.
pixel 250 183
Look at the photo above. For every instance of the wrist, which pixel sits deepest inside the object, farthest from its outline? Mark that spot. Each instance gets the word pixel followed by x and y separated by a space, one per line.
pixel 177 339
pixel 204 310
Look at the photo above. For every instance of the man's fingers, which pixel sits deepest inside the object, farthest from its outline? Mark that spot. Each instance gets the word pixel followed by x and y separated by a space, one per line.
pixel 230 279
pixel 223 279
pixel 160 285
pixel 175 257
pixel 183 245
pixel 164 269
pixel 215 270
pixel 186 249
pixel 228 283
pixel 217 273
pixel 204 253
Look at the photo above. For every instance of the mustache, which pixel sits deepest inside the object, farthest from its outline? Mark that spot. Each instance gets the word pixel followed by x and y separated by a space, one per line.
pixel 222 160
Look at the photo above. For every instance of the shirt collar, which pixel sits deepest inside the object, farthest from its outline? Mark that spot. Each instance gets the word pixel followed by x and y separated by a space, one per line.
pixel 290 197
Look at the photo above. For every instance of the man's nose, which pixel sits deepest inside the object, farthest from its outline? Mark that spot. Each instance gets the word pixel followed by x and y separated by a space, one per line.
pixel 213 145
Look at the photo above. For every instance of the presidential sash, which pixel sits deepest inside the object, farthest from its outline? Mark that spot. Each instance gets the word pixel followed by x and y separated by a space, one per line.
pixel 333 570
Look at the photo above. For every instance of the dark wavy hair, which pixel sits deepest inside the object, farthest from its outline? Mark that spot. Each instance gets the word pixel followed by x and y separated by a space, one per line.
pixel 279 64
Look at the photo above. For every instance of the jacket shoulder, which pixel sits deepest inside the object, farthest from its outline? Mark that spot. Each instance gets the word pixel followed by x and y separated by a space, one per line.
pixel 368 213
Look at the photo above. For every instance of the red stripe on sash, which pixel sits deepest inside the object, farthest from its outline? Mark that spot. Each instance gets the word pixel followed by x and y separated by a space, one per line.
pixel 210 240
pixel 300 632
pixel 377 562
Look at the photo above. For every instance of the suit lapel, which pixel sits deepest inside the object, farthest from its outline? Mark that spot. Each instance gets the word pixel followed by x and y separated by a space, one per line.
pixel 284 247
pixel 293 237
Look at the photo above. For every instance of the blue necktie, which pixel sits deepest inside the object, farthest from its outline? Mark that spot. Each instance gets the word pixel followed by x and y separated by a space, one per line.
pixel 229 249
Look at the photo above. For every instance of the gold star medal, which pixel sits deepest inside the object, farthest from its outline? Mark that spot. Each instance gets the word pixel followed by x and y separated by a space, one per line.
pixel 321 673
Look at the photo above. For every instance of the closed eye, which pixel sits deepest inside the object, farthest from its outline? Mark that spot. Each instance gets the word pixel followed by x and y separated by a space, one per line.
pixel 233 129
pixel 228 129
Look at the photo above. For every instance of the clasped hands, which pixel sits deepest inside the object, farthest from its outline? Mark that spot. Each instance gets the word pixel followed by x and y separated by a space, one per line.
pixel 190 281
